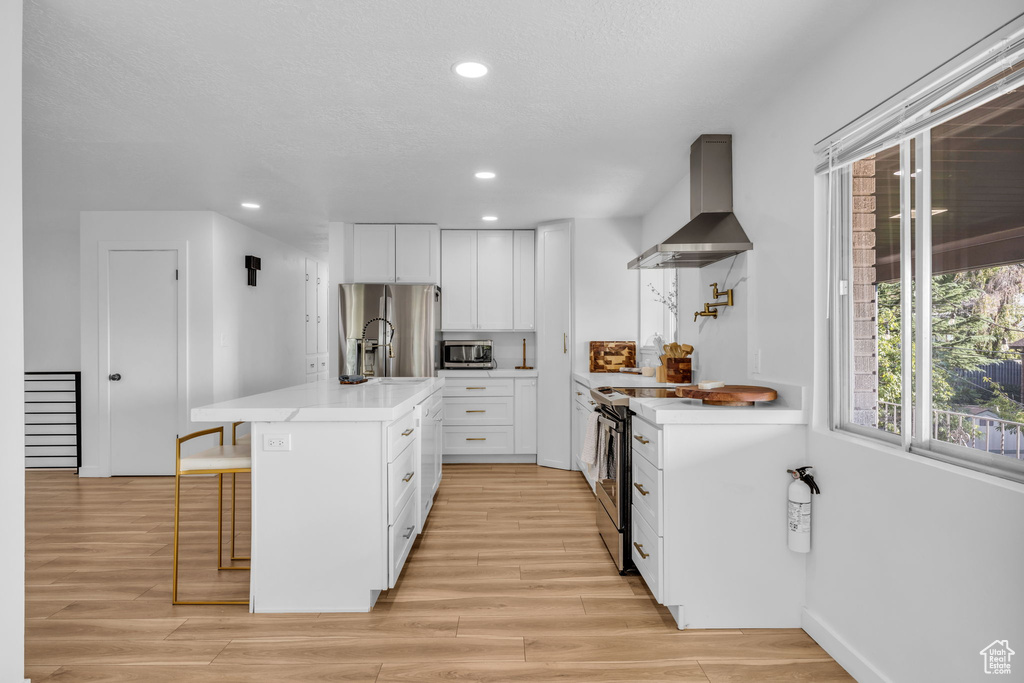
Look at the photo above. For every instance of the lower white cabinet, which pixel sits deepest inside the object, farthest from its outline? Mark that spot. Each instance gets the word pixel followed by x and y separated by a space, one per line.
pixel 489 416
pixel 431 425
pixel 582 406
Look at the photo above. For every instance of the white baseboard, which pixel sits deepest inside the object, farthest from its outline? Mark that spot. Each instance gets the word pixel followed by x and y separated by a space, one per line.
pixel 92 471
pixel 841 651
pixel 489 458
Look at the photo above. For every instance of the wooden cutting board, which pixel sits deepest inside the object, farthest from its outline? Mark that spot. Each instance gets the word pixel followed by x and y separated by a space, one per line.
pixel 729 395
pixel 609 356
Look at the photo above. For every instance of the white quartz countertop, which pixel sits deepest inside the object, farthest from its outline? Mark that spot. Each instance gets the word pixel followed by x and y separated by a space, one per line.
pixel 497 372
pixel 789 408
pixel 378 400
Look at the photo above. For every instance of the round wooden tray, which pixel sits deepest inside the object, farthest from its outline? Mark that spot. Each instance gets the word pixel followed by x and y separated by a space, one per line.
pixel 729 395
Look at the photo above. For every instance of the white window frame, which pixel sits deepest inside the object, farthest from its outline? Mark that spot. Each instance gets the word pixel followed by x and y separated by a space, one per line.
pixel 905 117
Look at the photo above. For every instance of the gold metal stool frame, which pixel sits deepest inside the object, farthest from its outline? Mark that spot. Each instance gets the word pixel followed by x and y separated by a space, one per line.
pixel 220 471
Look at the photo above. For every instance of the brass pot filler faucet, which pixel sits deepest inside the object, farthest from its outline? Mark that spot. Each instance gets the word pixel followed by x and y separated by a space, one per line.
pixel 708 312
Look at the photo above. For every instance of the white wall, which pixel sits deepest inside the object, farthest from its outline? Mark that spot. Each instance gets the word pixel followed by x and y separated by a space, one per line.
pixel 915 565
pixel 12 440
pixel 259 335
pixel 606 293
pixel 52 321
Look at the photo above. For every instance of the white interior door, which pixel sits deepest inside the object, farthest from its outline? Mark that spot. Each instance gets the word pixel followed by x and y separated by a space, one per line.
pixel 142 350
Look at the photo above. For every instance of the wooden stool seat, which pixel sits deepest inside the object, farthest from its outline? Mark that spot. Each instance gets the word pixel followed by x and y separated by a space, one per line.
pixel 217 460
pixel 244 440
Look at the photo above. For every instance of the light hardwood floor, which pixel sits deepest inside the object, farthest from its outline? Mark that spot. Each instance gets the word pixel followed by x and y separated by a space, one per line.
pixel 509 582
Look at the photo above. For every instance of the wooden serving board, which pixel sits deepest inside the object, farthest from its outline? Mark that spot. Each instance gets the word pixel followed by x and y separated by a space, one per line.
pixel 609 356
pixel 729 395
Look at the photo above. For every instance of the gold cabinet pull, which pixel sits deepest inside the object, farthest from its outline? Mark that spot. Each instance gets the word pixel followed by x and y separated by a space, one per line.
pixel 476 411
pixel 593 403
pixel 641 439
pixel 408 478
pixel 579 393
pixel 640 549
pixel 411 529
pixel 565 342
pixel 640 488
pixel 408 431
pixel 476 438
pixel 472 388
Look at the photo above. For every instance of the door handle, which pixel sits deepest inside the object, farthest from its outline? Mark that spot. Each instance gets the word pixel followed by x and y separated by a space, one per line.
pixel 116 377
pixel 565 342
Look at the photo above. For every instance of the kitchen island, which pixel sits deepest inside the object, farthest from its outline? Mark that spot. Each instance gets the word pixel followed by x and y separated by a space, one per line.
pixel 708 488
pixel 343 477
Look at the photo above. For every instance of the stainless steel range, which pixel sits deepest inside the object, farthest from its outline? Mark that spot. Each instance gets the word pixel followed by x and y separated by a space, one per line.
pixel 614 475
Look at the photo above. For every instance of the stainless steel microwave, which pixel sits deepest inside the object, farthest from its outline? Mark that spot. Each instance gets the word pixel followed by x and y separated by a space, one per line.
pixel 458 353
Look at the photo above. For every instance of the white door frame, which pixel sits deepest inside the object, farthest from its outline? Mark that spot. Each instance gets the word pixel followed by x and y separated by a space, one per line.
pixel 103 337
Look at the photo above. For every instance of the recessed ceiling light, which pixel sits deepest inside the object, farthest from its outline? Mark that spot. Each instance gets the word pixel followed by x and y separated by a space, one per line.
pixel 484 175
pixel 470 69
pixel 250 205
pixel 490 218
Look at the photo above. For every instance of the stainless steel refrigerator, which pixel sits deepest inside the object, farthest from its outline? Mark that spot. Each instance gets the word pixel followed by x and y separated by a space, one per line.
pixel 388 330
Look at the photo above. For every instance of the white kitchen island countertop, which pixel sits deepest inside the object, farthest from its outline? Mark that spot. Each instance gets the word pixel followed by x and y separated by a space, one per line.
pixel 378 400
pixel 789 408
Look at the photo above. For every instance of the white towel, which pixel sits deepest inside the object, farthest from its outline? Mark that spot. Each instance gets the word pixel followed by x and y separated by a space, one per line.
pixel 590 439
pixel 602 452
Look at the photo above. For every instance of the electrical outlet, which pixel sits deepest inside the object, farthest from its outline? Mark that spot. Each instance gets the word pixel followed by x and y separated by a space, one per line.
pixel 756 369
pixel 277 442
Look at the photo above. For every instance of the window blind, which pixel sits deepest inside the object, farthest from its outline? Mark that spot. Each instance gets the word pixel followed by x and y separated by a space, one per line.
pixel 982 73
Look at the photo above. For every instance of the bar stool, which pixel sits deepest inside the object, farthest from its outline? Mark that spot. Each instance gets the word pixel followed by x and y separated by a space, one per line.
pixel 219 460
pixel 236 440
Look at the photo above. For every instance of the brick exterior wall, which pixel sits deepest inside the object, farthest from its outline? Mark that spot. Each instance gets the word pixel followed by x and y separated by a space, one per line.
pixel 865 304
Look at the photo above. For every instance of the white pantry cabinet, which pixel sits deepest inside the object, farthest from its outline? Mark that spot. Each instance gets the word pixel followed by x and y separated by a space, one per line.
pixel 487 280
pixel 554 341
pixel 316 299
pixel 404 254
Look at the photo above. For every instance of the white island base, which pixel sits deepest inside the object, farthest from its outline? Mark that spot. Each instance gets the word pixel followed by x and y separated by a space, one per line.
pixel 342 480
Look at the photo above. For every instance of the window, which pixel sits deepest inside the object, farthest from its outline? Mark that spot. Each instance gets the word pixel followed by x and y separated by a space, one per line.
pixel 926 216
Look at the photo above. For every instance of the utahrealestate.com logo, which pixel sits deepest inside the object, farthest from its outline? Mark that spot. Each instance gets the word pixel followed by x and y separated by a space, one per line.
pixel 997 657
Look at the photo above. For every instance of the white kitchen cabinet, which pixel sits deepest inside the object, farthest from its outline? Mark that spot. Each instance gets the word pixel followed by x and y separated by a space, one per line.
pixel 322 297
pixel 697 484
pixel 526 415
pixel 489 419
pixel 458 280
pixel 311 331
pixel 417 254
pixel 373 252
pixel 554 339
pixel 582 406
pixel 487 280
pixel 431 425
pixel 494 279
pixel 524 280
pixel 400 253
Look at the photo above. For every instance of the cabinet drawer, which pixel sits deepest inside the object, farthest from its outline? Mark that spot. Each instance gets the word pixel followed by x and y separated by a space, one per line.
pixel 486 410
pixel 581 395
pixel 401 536
pixel 647 492
pixel 322 363
pixel 478 386
pixel 403 480
pixel 647 441
pixel 401 434
pixel 312 364
pixel 469 439
pixel 648 550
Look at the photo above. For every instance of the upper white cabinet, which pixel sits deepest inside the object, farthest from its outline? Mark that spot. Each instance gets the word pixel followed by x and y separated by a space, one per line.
pixel 408 254
pixel 458 280
pixel 494 279
pixel 487 280
pixel 523 279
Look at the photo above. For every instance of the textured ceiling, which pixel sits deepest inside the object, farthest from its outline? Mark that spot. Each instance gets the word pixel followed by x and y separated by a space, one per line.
pixel 347 110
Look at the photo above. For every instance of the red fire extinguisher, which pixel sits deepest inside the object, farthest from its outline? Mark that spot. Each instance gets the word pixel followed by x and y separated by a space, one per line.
pixel 800 490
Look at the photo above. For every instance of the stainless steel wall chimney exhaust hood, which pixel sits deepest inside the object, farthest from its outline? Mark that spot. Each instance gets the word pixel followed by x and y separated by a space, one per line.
pixel 713 232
